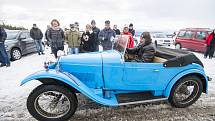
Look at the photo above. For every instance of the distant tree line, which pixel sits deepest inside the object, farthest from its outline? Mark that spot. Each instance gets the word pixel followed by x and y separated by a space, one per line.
pixel 10 27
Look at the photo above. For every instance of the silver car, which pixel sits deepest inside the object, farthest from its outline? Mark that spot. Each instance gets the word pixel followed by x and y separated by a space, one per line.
pixel 19 43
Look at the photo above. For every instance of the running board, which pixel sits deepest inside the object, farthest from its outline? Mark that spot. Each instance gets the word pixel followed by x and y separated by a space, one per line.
pixel 143 101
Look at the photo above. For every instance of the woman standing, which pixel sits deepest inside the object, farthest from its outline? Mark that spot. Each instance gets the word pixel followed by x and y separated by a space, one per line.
pixel 88 40
pixel 130 39
pixel 210 41
pixel 56 37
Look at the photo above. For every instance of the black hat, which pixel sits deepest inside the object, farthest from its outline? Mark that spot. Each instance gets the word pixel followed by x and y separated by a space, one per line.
pixel 107 22
pixel 93 22
pixel 34 25
pixel 130 24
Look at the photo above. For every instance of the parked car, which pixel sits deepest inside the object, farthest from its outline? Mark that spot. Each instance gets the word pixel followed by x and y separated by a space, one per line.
pixel 161 39
pixel 192 38
pixel 108 78
pixel 19 43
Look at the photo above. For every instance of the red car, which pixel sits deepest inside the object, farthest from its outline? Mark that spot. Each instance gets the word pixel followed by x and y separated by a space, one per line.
pixel 192 38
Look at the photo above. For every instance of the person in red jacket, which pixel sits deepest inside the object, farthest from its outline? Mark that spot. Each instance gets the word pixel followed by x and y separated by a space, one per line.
pixel 130 40
pixel 210 41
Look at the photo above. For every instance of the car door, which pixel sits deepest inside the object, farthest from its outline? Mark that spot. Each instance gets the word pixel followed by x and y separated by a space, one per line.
pixel 31 43
pixel 141 75
pixel 199 41
pixel 26 42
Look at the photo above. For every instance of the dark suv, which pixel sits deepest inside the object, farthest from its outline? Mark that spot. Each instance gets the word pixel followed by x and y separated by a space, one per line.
pixel 19 43
pixel 192 38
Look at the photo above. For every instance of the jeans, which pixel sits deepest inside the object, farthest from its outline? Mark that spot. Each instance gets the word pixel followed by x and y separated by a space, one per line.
pixel 73 50
pixel 39 46
pixel 4 59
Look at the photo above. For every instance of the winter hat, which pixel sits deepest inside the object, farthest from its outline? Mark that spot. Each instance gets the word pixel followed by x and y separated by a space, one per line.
pixel 130 24
pixel 93 22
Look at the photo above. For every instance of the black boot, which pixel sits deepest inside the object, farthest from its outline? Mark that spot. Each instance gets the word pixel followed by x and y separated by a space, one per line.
pixel 2 65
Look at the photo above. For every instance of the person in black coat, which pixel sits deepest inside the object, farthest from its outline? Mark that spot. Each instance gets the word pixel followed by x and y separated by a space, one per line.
pixel 144 50
pixel 56 37
pixel 131 29
pixel 37 35
pixel 96 31
pixel 4 59
pixel 117 31
pixel 89 40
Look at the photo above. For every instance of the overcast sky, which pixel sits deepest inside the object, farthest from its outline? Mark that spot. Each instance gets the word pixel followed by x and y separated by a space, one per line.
pixel 144 14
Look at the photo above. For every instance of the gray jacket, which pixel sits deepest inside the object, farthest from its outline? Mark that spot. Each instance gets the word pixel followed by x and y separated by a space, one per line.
pixel 105 38
pixel 56 38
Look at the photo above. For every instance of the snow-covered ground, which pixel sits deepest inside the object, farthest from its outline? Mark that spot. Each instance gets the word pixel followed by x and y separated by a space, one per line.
pixel 13 98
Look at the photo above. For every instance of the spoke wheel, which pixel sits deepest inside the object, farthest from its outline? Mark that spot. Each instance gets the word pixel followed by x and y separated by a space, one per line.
pixel 186 92
pixel 51 103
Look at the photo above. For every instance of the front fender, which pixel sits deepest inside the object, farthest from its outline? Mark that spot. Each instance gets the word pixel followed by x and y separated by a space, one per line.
pixel 73 82
pixel 182 74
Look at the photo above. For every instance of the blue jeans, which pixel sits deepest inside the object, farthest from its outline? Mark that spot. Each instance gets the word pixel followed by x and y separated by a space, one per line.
pixel 4 59
pixel 73 50
pixel 39 46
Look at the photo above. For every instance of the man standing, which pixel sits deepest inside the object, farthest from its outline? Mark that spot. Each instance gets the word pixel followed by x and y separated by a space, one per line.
pixel 37 36
pixel 131 29
pixel 117 31
pixel 106 35
pixel 72 38
pixel 3 53
pixel 46 36
pixel 96 31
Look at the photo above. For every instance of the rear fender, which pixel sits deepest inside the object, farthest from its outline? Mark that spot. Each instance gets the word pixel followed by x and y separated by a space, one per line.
pixel 196 72
pixel 73 82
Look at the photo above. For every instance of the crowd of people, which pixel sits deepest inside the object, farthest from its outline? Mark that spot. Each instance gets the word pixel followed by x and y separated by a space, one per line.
pixel 79 42
pixel 90 39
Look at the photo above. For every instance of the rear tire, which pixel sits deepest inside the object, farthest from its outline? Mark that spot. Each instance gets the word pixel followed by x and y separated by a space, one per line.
pixel 60 97
pixel 183 88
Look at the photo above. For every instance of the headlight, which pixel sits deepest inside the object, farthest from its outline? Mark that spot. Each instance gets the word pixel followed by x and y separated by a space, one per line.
pixel 60 53
pixel 6 46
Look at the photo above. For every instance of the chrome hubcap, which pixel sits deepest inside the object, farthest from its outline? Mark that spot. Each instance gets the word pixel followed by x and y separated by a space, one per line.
pixel 52 104
pixel 186 92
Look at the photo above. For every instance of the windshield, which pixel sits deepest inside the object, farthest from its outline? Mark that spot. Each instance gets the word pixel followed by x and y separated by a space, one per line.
pixel 160 36
pixel 120 43
pixel 12 35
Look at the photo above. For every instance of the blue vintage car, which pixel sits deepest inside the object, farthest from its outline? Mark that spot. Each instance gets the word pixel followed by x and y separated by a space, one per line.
pixel 111 78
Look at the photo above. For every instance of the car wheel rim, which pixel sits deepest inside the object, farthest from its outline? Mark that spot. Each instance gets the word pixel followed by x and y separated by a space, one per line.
pixel 52 104
pixel 186 92
pixel 16 54
pixel 178 46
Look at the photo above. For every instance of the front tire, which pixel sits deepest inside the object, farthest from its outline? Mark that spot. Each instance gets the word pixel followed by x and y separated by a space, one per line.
pixel 178 46
pixel 186 92
pixel 16 54
pixel 52 103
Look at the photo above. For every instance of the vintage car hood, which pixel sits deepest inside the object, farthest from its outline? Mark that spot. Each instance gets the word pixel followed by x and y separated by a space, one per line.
pixel 82 58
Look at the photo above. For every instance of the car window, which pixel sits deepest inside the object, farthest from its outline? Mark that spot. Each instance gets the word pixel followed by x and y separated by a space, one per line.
pixel 188 34
pixel 181 34
pixel 201 35
pixel 11 35
pixel 24 35
pixel 160 36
